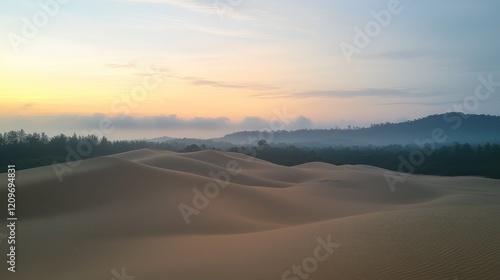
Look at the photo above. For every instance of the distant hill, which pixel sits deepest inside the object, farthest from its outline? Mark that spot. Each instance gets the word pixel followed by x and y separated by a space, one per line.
pixel 160 139
pixel 455 127
pixel 181 143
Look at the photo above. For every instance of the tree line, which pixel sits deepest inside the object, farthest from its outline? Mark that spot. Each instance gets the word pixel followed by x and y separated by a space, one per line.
pixel 459 159
pixel 28 150
pixel 447 160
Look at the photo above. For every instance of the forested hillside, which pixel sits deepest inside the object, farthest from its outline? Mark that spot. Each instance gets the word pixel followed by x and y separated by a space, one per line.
pixel 457 127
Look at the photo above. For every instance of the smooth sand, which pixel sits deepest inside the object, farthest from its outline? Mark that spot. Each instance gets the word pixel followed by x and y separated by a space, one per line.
pixel 123 211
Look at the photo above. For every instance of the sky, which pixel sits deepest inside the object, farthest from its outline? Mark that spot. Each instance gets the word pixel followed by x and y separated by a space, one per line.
pixel 203 68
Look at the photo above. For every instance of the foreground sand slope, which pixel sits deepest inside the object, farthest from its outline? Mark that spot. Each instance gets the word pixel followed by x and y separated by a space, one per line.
pixel 259 221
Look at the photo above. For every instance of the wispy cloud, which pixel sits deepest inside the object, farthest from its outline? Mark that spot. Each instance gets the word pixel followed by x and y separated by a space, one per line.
pixel 203 7
pixel 406 55
pixel 220 84
pixel 194 6
pixel 200 81
pixel 121 65
pixel 426 103
pixel 350 93
pixel 168 22
pixel 210 30
pixel 274 15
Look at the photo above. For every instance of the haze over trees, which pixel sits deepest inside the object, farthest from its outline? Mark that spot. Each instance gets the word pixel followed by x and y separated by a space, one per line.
pixel 458 127
pixel 479 157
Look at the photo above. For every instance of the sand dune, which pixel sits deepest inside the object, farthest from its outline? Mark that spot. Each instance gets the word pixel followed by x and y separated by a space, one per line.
pixel 258 222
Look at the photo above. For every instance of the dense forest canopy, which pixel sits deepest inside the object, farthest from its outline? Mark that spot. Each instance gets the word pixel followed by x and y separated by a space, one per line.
pixel 28 150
